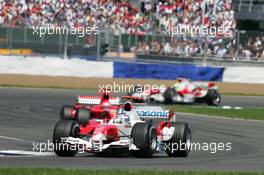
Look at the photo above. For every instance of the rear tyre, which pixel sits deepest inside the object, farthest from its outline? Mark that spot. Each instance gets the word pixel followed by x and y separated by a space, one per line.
pixel 83 116
pixel 180 143
pixel 65 128
pixel 213 98
pixel 168 95
pixel 66 112
pixel 145 138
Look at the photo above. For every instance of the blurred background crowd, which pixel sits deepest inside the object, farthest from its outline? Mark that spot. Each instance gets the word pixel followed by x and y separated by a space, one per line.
pixel 144 17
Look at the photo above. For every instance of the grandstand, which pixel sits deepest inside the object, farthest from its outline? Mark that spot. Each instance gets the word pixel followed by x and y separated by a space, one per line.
pixel 137 27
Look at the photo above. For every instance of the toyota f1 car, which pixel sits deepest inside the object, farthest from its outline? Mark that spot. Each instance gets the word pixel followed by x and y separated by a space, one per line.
pixel 122 130
pixel 183 91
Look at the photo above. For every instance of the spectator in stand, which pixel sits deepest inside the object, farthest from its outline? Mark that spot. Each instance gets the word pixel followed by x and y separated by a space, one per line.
pixel 240 54
pixel 221 51
pixel 194 50
pixel 167 49
pixel 140 49
pixel 146 48
pixel 155 47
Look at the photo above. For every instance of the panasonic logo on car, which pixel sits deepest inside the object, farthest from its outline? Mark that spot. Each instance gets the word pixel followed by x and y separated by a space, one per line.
pixel 152 113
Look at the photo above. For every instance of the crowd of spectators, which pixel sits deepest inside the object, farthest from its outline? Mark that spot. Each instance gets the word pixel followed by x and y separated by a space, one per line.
pixel 171 13
pixel 228 49
pixel 253 48
pixel 146 17
pixel 121 15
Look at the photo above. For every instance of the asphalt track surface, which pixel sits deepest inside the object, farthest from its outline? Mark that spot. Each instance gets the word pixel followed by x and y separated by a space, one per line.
pixel 29 115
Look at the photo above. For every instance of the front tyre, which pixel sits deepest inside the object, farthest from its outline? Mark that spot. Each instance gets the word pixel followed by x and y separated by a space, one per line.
pixel 145 138
pixel 213 98
pixel 65 128
pixel 180 143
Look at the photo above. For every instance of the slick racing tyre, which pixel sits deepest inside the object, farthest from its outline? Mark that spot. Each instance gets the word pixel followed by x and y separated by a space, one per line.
pixel 145 138
pixel 180 143
pixel 213 98
pixel 65 128
pixel 65 112
pixel 168 95
pixel 83 116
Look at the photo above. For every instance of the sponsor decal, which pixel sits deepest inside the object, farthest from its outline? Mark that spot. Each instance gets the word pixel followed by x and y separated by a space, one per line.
pixel 152 113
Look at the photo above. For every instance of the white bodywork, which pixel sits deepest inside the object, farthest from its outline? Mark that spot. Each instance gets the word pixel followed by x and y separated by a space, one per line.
pixel 124 122
pixel 145 95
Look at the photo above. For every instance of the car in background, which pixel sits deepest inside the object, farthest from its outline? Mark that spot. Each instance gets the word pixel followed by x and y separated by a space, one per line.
pixel 184 91
pixel 87 107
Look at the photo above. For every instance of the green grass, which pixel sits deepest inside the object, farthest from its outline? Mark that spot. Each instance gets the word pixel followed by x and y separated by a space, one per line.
pixel 56 171
pixel 245 113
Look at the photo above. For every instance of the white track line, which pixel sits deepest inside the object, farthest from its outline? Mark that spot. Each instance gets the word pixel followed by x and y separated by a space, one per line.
pixel 14 138
pixel 20 153
pixel 25 153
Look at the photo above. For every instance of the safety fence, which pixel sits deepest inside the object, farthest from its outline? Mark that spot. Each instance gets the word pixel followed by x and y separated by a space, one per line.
pixel 243 46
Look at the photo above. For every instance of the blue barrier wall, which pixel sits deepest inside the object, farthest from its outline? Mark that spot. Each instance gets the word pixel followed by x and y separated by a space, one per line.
pixel 167 71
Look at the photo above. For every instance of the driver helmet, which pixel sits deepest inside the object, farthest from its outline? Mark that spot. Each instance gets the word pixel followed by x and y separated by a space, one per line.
pixel 179 80
pixel 127 106
pixel 106 104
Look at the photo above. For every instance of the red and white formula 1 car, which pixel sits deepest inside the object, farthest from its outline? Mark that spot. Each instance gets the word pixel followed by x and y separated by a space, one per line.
pixel 88 107
pixel 183 91
pixel 122 131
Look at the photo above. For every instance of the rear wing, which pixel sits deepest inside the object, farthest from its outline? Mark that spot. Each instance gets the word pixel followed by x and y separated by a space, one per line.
pixel 95 100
